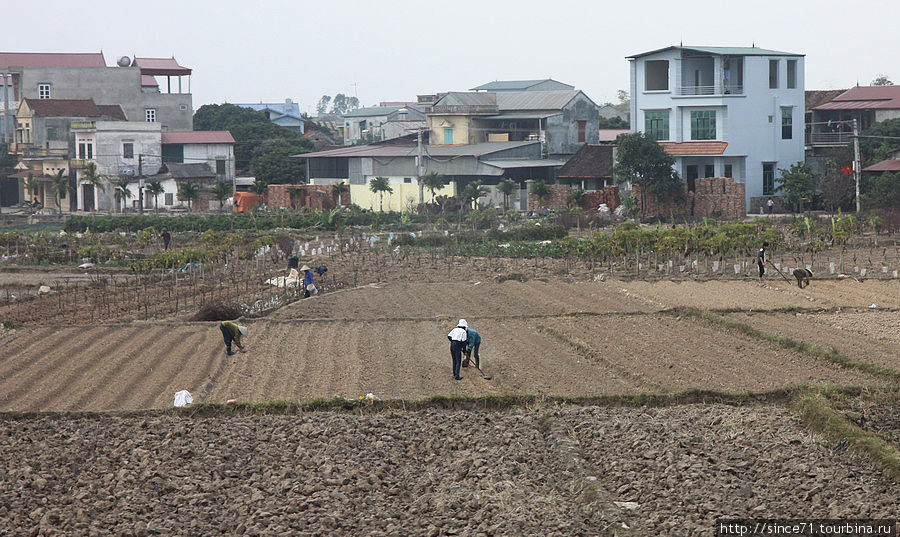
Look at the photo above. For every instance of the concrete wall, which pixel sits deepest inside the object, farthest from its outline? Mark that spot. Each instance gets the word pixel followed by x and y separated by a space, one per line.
pixel 742 120
pixel 404 196
pixel 460 125
pixel 884 115
pixel 315 197
pixel 111 85
pixel 562 130
pixel 209 153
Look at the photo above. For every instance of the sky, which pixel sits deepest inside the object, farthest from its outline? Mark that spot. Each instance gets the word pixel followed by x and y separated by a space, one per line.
pixel 393 50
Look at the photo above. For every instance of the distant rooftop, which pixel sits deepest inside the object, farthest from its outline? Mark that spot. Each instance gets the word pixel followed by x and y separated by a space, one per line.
pixel 516 85
pixel 51 59
pixel 197 137
pixel 372 111
pixel 287 108
pixel 722 51
pixel 72 108
pixel 160 67
pixel 374 150
pixel 865 98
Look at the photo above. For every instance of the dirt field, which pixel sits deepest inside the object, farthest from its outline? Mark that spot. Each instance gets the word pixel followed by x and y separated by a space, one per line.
pixel 548 471
pixel 142 365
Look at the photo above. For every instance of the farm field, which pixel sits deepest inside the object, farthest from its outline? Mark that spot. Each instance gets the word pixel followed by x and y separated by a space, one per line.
pixel 555 471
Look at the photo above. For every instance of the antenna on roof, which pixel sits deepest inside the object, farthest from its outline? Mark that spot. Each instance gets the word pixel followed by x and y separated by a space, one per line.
pixel 753 44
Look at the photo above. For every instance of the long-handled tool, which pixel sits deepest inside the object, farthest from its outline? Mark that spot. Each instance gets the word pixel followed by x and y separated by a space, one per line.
pixel 779 272
pixel 469 361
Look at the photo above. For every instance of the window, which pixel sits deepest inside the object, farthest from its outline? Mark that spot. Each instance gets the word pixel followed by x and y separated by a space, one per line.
pixel 407 180
pixel 691 177
pixel 448 136
pixel 787 123
pixel 792 74
pixel 656 75
pixel 128 150
pixel 656 124
pixel 710 171
pixel 43 91
pixel 150 115
pixel 170 198
pixel 85 149
pixel 703 125
pixel 728 172
pixel 768 178
pixel 220 166
pixel 582 131
pixel 773 74
pixel 53 133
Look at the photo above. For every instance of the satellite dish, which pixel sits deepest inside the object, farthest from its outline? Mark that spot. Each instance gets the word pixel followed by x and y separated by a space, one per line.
pixel 124 61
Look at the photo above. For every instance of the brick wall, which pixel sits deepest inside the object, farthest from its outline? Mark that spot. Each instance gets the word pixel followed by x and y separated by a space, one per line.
pixel 315 197
pixel 559 197
pixel 713 196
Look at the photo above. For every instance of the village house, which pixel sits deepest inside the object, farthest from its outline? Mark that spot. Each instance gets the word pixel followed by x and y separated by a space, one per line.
pixel 722 111
pixel 286 114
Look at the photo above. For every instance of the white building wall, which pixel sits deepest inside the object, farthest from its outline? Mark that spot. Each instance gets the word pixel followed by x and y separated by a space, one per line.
pixel 210 153
pixel 741 120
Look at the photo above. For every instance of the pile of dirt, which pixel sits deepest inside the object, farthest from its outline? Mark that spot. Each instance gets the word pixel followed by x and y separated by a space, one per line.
pixel 556 471
pixel 218 311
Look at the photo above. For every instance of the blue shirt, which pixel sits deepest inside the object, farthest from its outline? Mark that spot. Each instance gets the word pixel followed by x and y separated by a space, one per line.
pixel 473 337
pixel 307 278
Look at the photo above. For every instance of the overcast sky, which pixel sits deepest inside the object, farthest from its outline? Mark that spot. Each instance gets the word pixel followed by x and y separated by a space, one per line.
pixel 394 49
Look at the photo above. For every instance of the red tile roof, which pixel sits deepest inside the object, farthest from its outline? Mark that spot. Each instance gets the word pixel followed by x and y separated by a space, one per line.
pixel 51 59
pixel 865 98
pixel 160 66
pixel 694 148
pixel 610 135
pixel 197 137
pixel 63 107
pixel 892 165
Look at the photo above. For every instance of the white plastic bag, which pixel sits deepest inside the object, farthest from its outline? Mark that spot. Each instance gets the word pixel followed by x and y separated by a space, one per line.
pixel 183 398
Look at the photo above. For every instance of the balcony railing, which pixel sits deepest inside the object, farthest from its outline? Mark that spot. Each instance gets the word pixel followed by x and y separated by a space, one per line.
pixel 465 109
pixel 829 139
pixel 37 152
pixel 82 125
pixel 711 90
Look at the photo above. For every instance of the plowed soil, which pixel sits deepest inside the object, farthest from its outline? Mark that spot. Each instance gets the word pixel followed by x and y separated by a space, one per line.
pixel 142 365
pixel 865 335
pixel 549 472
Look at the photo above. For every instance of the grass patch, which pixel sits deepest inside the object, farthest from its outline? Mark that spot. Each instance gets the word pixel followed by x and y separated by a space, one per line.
pixel 816 413
pixel 830 354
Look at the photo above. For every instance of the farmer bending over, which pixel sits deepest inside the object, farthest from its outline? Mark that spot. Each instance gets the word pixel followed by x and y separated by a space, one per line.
pixel 458 338
pixel 474 339
pixel 232 332
pixel 803 275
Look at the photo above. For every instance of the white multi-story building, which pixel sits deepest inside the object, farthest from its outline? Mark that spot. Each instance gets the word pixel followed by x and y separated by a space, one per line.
pixel 722 111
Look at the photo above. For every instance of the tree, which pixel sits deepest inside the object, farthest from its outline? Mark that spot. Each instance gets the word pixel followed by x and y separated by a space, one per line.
pixel 32 185
pixel 122 192
pixel 642 161
pixel 273 163
pixel 880 190
pixel 379 186
pixel 189 192
pixel 472 192
pixel 155 189
pixel 339 190
pixel 343 104
pixel 797 184
pixel 540 191
pixel 433 182
pixel 879 141
pixel 322 106
pixel 260 188
pixel 614 122
pixel 221 191
pixel 882 80
pixel 91 177
pixel 577 198
pixel 7 165
pixel 60 185
pixel 507 187
pixel 837 187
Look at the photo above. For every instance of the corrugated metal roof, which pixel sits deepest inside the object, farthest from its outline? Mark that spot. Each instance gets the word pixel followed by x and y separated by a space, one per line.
pixel 372 111
pixel 892 165
pixel 814 98
pixel 474 150
pixel 524 163
pixel 535 100
pixel 51 59
pixel 461 98
pixel 722 51
pixel 865 98
pixel 524 115
pixel 513 85
pixel 197 137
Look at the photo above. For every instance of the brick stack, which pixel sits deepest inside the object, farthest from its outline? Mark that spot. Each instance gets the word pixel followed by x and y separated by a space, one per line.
pixel 713 197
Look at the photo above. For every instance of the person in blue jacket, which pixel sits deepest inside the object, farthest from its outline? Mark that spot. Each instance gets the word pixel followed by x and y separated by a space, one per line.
pixel 474 339
pixel 308 281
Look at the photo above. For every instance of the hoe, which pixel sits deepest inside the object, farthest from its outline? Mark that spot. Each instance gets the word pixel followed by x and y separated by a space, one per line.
pixel 483 375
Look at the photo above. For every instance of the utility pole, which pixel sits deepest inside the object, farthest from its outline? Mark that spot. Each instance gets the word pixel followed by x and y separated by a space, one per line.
pixel 420 166
pixel 856 164
pixel 6 135
pixel 140 183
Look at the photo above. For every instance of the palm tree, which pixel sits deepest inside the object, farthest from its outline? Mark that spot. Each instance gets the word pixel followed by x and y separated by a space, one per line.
pixel 541 191
pixel 577 198
pixel 433 181
pixel 380 185
pixel 507 187
pixel 122 192
pixel 189 192
pixel 338 190
pixel 155 189
pixel 90 177
pixel 260 188
pixel 32 185
pixel 60 186
pixel 221 191
pixel 472 192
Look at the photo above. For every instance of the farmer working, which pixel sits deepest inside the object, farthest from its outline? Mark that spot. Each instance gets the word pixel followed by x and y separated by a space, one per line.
pixel 458 338
pixel 308 281
pixel 803 275
pixel 232 332
pixel 761 260
pixel 474 339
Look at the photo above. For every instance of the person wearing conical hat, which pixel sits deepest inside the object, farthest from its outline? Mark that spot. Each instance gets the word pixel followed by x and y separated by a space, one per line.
pixel 308 282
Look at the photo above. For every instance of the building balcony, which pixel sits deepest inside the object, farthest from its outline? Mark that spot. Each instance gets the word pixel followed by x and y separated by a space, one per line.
pixel 706 91
pixel 829 139
pixel 41 153
pixel 82 125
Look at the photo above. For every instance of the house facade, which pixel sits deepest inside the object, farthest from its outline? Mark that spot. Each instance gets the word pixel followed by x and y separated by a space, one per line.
pixel 722 111
pixel 364 124
pixel 286 114
pixel 213 148
pixel 562 120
